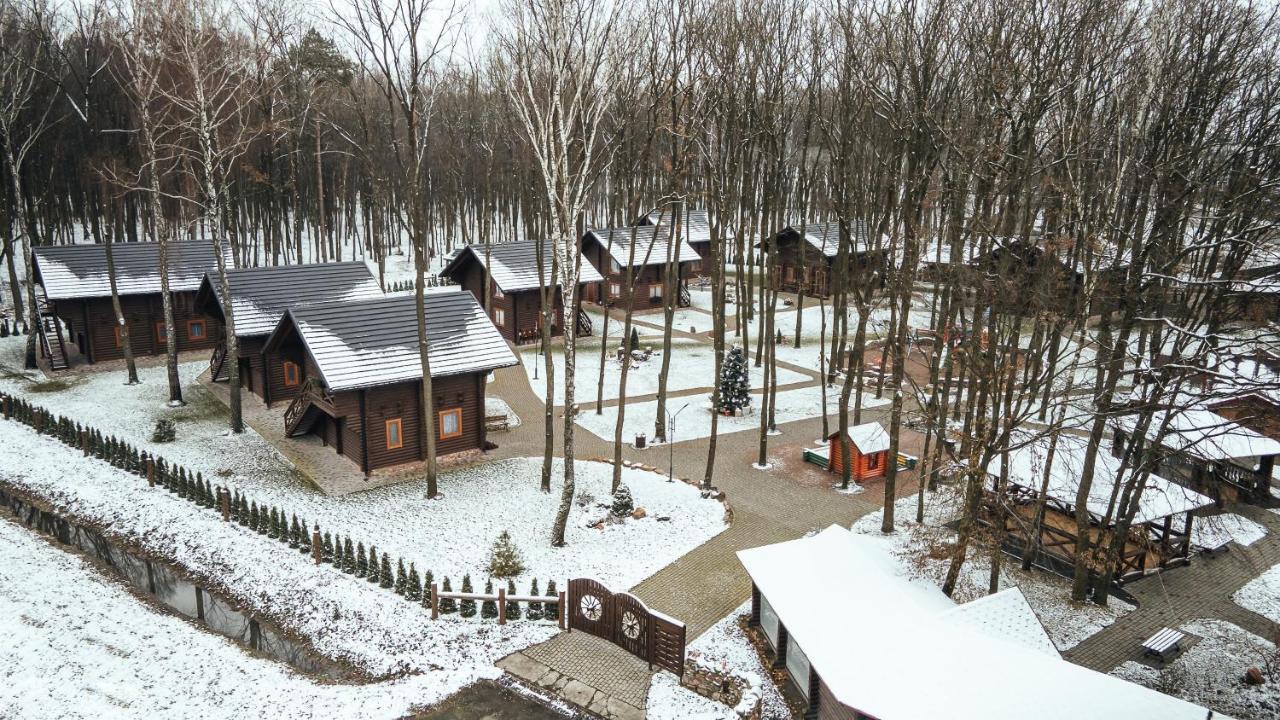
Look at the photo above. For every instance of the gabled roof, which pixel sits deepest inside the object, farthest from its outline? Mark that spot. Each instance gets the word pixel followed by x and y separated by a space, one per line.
pixel 80 271
pixel 695 228
pixel 869 437
pixel 825 236
pixel 365 343
pixel 1006 615
pixel 912 660
pixel 514 265
pixel 262 294
pixel 1204 434
pixel 1160 498
pixel 651 245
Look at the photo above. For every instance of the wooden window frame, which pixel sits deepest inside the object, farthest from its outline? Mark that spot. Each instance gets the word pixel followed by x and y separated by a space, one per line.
pixel 500 317
pixel 204 330
pixel 297 373
pixel 497 293
pixel 615 289
pixel 873 461
pixel 440 423
pixel 398 423
pixel 655 291
pixel 160 333
pixel 115 329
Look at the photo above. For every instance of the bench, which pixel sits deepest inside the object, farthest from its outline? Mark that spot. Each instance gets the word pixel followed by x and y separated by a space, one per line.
pixel 1220 546
pixel 496 423
pixel 1162 642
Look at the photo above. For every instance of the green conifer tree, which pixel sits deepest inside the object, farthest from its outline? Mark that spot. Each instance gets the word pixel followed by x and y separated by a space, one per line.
pixel 375 568
pixel 385 577
pixel 362 562
pixel 402 578
pixel 468 606
pixel 534 611
pixel 414 592
pixel 294 532
pixel 447 604
pixel 513 607
pixel 327 551
pixel 348 556
pixel 551 611
pixel 427 581
pixel 488 608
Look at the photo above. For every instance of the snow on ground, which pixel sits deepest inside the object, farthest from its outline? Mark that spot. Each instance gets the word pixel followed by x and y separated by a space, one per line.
pixel 692 366
pixel 1214 530
pixel 453 535
pixel 497 406
pixel 1210 672
pixel 669 700
pixel 1262 595
pixel 695 420
pixel 79 645
pixel 920 548
pixel 725 647
pixel 344 617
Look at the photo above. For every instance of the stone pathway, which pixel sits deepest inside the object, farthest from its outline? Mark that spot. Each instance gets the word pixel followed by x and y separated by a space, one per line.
pixel 589 672
pixel 1202 589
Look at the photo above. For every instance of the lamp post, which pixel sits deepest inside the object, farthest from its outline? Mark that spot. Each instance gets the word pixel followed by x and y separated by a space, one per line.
pixel 671 453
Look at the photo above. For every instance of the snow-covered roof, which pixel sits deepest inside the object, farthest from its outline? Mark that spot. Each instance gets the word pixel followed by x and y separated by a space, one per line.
pixel 1006 615
pixel 261 295
pixel 885 645
pixel 695 228
pixel 1204 434
pixel 80 271
pixel 869 437
pixel 365 343
pixel 825 236
pixel 651 245
pixel 514 265
pixel 1160 498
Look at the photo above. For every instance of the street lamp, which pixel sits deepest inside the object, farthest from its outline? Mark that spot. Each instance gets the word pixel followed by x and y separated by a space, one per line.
pixel 671 441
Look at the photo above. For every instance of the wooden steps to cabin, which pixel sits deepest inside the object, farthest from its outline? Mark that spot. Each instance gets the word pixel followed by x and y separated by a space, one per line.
pixel 217 363
pixel 584 324
pixel 682 297
pixel 49 324
pixel 302 411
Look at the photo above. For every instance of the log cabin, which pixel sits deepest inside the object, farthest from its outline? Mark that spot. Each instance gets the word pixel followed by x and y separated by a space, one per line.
pixel 1159 536
pixel 361 375
pixel 646 250
pixel 860 639
pixel 75 294
pixel 1205 451
pixel 515 295
pixel 1027 278
pixel 868 449
pixel 696 230
pixel 260 296
pixel 804 262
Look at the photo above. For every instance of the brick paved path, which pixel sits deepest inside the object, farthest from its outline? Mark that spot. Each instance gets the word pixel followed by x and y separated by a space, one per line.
pixel 1202 589
pixel 589 672
pixel 768 506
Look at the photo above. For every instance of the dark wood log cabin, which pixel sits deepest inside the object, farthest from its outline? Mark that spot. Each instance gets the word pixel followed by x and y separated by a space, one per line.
pixel 805 262
pixel 361 374
pixel 646 250
pixel 76 290
pixel 261 295
pixel 515 297
pixel 696 230
pixel 1028 278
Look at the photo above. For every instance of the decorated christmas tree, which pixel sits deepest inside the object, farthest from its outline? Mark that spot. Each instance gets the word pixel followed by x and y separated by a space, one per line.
pixel 735 383
pixel 504 558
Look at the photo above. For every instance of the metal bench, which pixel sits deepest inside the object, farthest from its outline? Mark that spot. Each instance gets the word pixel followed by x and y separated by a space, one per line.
pixel 1163 642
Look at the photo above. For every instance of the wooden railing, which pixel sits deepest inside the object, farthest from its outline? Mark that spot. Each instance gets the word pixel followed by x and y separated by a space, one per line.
pixel 217 360
pixel 584 324
pixel 311 394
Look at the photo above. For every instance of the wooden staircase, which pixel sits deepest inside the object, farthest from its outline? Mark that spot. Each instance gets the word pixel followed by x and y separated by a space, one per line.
pixel 54 349
pixel 217 363
pixel 311 399
pixel 584 324
pixel 682 297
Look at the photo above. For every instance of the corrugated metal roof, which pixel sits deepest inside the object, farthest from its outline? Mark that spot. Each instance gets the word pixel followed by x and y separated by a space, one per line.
pixel 262 294
pixel 365 343
pixel 80 271
pixel 695 228
pixel 514 265
pixel 651 243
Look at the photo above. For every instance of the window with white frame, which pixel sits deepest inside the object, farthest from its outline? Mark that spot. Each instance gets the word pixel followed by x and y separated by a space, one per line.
pixel 499 317
pixel 655 292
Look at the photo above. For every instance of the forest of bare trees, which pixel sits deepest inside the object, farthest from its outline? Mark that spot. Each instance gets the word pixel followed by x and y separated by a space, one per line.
pixel 1115 161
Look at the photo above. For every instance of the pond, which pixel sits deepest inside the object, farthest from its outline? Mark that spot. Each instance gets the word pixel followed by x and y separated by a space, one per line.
pixel 164 583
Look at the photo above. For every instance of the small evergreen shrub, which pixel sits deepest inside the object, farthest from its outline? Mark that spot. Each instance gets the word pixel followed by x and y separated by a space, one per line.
pixel 552 610
pixel 402 580
pixel 165 431
pixel 622 505
pixel 488 608
pixel 504 558
pixel 385 577
pixel 513 607
pixel 447 604
pixel 534 611
pixel 414 591
pixel 375 568
pixel 468 606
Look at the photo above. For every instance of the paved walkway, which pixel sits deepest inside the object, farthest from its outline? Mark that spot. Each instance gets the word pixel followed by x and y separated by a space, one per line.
pixel 1202 589
pixel 587 671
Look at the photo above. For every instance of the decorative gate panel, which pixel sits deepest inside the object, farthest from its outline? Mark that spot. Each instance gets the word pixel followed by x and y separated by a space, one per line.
pixel 626 621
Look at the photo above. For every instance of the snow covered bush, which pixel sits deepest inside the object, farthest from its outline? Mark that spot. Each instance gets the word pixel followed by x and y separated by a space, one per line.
pixel 468 606
pixel 513 607
pixel 735 382
pixel 552 610
pixel 488 608
pixel 504 559
pixel 165 431
pixel 535 608
pixel 622 505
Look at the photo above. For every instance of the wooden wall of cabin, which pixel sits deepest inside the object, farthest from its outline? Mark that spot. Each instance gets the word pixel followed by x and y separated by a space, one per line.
pixel 861 469
pixel 829 708
pixel 273 371
pixel 252 377
pixel 90 325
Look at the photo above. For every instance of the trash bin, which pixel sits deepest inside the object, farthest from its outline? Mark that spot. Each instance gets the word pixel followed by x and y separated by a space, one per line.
pixel 640 441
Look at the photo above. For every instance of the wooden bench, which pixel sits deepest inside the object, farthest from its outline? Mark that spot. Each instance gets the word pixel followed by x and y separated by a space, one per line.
pixel 1162 642
pixel 496 423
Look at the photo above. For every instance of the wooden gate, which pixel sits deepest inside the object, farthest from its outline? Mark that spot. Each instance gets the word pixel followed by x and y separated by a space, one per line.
pixel 626 621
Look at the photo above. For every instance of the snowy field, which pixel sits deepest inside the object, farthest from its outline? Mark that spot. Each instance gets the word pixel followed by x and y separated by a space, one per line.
pixel 1262 594
pixel 449 536
pixel 343 617
pixel 79 645
pixel 1209 672
pixel 692 366
pixel 1049 595
pixel 694 422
